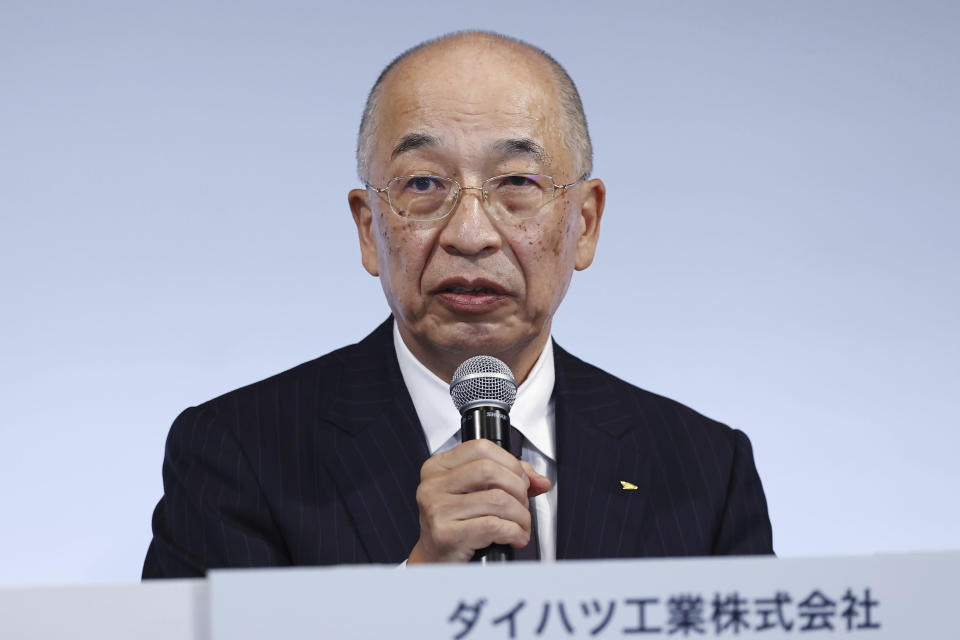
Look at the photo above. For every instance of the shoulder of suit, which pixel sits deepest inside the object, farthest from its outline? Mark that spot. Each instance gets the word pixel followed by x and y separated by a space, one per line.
pixel 320 377
pixel 656 411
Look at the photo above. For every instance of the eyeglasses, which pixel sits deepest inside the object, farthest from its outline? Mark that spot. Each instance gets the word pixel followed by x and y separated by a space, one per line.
pixel 513 195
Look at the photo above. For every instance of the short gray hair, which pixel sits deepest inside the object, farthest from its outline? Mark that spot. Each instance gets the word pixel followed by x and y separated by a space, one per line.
pixel 575 135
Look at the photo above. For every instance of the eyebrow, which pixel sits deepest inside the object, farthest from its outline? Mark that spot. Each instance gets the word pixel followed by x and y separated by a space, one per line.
pixel 413 141
pixel 522 147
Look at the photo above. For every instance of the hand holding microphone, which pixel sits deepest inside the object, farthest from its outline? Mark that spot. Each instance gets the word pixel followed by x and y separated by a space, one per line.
pixel 477 494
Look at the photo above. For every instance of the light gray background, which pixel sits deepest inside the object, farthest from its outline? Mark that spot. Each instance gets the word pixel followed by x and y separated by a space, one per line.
pixel 779 248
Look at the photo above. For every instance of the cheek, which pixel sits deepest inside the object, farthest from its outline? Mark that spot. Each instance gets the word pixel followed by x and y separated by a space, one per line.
pixel 546 256
pixel 389 241
pixel 540 242
pixel 547 261
pixel 554 242
pixel 559 237
pixel 571 229
pixel 403 247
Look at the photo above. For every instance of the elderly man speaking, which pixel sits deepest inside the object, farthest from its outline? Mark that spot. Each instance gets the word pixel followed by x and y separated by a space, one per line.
pixel 475 211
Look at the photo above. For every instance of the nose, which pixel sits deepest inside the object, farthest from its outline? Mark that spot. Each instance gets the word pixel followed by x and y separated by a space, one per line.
pixel 469 230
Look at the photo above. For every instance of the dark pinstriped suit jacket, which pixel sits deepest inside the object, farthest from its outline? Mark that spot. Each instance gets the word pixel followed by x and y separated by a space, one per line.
pixel 320 464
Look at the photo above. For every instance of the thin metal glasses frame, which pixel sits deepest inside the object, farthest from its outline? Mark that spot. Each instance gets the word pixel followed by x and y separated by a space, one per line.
pixel 385 190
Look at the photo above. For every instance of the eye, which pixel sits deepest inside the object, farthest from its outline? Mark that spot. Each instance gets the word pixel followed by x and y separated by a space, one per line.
pixel 519 182
pixel 423 184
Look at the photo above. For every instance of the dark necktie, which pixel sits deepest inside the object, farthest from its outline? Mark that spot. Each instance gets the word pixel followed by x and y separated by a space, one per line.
pixel 532 550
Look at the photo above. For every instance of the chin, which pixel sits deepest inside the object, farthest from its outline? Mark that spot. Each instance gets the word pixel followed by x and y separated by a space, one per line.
pixel 471 340
pixel 475 338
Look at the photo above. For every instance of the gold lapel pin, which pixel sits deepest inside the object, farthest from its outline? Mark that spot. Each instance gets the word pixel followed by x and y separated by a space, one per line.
pixel 628 486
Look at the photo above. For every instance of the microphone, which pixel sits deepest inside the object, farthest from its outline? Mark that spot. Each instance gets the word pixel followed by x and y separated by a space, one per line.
pixel 483 390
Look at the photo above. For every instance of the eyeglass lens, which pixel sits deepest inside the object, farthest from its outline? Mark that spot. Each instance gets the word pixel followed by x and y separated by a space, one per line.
pixel 431 197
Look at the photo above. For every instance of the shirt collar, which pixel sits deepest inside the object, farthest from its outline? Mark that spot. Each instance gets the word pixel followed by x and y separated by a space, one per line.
pixel 531 414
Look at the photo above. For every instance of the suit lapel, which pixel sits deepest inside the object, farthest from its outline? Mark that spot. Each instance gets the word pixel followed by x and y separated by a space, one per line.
pixel 597 448
pixel 377 447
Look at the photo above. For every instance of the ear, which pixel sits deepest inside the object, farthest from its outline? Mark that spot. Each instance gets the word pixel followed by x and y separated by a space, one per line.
pixel 363 217
pixel 591 210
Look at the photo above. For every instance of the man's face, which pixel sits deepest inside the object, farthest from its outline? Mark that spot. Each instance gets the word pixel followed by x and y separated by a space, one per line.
pixel 475 281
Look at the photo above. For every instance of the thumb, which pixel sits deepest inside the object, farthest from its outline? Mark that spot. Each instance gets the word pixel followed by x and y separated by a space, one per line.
pixel 538 483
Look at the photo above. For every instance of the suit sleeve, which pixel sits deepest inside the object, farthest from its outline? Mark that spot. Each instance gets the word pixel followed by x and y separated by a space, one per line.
pixel 744 524
pixel 213 512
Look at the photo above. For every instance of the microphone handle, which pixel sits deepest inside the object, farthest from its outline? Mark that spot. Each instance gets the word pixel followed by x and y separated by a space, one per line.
pixel 489 423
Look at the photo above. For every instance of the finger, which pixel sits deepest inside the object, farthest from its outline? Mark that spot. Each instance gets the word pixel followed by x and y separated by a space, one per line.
pixel 529 470
pixel 478 533
pixel 538 483
pixel 493 502
pixel 478 450
pixel 480 475
pixel 452 527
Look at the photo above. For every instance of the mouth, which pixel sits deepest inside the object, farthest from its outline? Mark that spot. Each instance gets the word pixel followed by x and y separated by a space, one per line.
pixel 470 295
pixel 477 287
pixel 477 291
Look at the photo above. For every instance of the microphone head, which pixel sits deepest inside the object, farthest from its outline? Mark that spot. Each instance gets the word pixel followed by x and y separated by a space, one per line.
pixel 483 381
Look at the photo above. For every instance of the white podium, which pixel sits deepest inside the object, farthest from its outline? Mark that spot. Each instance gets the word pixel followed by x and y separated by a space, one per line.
pixel 885 596
pixel 166 610
pixel 900 596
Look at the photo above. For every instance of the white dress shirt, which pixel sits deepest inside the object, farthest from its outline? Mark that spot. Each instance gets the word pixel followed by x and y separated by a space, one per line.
pixel 532 414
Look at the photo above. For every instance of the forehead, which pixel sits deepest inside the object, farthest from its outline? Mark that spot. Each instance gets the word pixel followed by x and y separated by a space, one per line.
pixel 469 98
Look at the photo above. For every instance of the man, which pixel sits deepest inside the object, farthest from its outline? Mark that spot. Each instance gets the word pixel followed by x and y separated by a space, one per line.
pixel 476 210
